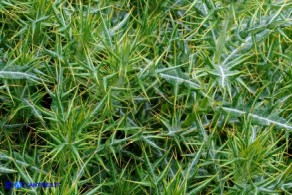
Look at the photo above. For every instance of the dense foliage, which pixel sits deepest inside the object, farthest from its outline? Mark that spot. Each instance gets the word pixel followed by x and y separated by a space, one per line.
pixel 146 97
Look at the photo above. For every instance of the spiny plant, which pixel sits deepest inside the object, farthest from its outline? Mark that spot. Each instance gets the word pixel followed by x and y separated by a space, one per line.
pixel 146 97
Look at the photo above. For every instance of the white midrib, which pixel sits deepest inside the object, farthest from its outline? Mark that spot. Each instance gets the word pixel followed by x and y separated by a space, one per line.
pixel 222 76
pixel 269 121
pixel 181 80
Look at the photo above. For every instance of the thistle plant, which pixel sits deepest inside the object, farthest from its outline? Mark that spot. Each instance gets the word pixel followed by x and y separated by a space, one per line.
pixel 146 97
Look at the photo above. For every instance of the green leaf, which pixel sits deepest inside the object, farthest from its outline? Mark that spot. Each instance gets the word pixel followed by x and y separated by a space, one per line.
pixel 263 120
pixel 18 75
pixel 7 170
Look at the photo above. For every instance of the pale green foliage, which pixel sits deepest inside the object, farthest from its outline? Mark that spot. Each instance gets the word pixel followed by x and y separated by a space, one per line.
pixel 146 97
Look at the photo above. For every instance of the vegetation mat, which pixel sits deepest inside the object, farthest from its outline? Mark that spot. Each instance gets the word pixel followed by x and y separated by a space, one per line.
pixel 145 97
